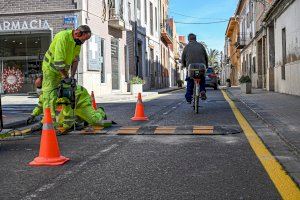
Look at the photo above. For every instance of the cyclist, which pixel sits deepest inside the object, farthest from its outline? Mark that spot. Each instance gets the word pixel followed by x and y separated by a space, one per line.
pixel 194 52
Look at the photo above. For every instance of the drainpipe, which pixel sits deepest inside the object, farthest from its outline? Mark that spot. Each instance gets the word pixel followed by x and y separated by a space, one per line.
pixel 135 39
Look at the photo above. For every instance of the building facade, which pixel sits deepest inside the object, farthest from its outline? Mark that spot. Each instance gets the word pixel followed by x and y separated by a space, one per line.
pixel 245 42
pixel 283 33
pixel 129 38
pixel 232 62
pixel 29 26
pixel 26 30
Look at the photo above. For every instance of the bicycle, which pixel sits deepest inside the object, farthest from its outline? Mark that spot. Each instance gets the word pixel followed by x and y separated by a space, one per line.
pixel 196 72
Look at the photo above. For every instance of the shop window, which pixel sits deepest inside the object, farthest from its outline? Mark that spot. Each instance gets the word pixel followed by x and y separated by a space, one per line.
pixel 24 52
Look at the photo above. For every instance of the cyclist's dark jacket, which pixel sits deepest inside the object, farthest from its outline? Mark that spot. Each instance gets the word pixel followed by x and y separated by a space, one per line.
pixel 194 52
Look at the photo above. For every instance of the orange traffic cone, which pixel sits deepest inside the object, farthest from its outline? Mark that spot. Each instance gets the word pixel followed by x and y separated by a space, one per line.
pixel 49 151
pixel 93 101
pixel 139 110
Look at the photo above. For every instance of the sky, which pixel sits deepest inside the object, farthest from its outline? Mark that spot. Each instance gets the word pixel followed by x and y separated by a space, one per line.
pixel 203 11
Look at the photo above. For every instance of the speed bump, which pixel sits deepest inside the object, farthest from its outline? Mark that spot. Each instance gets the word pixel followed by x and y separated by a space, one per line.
pixel 203 130
pixel 128 130
pixel 161 130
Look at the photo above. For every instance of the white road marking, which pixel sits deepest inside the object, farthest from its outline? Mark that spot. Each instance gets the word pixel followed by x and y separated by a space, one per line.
pixel 74 170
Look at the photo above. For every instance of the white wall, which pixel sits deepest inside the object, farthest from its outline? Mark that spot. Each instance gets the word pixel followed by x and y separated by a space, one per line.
pixel 91 79
pixel 289 20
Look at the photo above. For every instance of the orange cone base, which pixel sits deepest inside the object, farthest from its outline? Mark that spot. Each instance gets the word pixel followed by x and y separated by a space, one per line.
pixel 41 161
pixel 139 119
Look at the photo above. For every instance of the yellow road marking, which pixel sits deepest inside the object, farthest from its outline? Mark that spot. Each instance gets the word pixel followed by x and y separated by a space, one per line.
pixel 129 130
pixel 284 184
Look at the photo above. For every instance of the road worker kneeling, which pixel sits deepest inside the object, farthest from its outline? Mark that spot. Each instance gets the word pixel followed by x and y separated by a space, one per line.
pixel 83 110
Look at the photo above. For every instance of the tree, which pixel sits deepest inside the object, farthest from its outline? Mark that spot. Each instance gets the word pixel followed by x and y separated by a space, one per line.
pixel 204 44
pixel 213 56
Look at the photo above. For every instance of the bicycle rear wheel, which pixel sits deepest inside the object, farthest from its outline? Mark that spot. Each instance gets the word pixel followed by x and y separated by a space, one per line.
pixel 196 98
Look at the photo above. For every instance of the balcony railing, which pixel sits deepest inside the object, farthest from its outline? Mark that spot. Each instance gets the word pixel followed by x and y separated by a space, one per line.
pixel 167 33
pixel 116 19
pixel 241 42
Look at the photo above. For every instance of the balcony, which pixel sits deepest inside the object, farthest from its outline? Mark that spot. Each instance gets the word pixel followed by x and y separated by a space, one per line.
pixel 116 19
pixel 167 33
pixel 241 42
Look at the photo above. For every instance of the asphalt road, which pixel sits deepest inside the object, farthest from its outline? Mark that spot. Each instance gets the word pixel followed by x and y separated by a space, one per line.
pixel 144 166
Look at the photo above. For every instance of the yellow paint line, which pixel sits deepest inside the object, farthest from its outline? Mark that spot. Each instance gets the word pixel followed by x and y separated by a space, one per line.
pixel 284 184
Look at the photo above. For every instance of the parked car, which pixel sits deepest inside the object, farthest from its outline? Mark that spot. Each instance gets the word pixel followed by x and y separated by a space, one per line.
pixel 211 78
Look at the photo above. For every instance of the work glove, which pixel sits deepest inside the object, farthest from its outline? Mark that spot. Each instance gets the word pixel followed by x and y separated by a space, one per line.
pixel 30 119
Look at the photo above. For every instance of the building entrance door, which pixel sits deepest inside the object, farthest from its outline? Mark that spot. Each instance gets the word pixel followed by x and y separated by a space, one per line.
pixel 115 64
pixel 152 69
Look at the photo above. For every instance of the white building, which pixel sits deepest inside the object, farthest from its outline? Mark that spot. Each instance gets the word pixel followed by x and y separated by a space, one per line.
pixel 283 36
pixel 25 36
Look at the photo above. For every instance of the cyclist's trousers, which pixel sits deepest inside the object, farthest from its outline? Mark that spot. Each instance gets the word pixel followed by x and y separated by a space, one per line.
pixel 190 87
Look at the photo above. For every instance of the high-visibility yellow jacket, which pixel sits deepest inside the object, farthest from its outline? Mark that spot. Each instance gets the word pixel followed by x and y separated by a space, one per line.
pixel 83 99
pixel 61 53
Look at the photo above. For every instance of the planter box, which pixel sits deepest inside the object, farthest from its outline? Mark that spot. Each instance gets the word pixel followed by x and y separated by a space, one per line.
pixel 246 88
pixel 136 88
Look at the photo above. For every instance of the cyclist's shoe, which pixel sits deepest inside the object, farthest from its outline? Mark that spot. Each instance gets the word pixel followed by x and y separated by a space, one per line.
pixel 203 95
pixel 189 100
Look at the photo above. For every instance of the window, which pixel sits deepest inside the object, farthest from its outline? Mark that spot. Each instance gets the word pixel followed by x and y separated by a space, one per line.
pixel 138 4
pixel 129 11
pixel 151 18
pixel 102 53
pixel 254 65
pixel 283 53
pixel 156 21
pixel 126 50
pixel 146 12
pixel 250 63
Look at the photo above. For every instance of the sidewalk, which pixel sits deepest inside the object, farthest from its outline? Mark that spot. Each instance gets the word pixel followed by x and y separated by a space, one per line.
pixel 115 97
pixel 17 108
pixel 281 112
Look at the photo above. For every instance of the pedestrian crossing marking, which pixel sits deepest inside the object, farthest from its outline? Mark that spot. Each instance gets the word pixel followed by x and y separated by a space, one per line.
pixel 128 130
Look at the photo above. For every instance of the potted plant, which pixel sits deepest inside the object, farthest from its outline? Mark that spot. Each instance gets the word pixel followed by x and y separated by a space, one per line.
pixel 228 82
pixel 179 83
pixel 136 85
pixel 245 82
